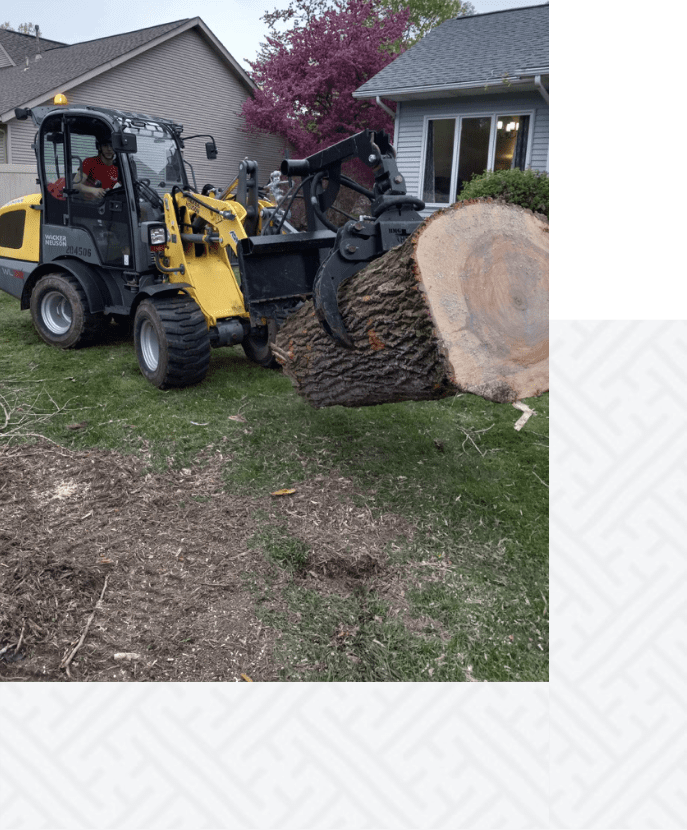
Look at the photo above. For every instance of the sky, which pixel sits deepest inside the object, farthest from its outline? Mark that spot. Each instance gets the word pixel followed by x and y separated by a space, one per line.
pixel 236 23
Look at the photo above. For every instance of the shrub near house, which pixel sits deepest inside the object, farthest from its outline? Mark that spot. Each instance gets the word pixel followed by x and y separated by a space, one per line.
pixel 527 188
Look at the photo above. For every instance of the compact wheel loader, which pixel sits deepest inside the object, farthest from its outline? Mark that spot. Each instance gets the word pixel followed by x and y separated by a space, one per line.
pixel 192 269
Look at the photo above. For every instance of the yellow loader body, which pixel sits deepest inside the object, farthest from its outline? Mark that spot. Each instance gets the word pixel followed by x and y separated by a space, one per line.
pixel 21 225
pixel 200 259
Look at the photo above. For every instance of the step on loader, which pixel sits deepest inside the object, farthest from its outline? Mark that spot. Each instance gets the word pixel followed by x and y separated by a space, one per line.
pixel 191 269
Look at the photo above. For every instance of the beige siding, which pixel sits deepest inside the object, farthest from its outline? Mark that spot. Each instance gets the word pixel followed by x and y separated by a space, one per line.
pixel 183 79
pixel 21 135
pixel 16 180
pixel 540 141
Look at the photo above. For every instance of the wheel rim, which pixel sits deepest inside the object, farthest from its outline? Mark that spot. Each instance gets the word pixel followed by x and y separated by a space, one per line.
pixel 56 311
pixel 150 345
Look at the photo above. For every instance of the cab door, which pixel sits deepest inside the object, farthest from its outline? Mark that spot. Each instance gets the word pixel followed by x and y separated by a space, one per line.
pixel 105 220
pixel 54 172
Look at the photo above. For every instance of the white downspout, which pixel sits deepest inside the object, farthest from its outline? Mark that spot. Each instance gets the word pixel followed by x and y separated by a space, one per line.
pixel 386 109
pixel 391 114
pixel 541 88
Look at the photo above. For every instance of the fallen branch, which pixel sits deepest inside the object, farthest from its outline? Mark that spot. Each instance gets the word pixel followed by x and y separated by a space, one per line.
pixel 22 417
pixel 65 662
pixel 24 380
pixel 32 435
pixel 21 638
pixel 543 482
pixel 7 415
pixel 218 584
pixel 468 436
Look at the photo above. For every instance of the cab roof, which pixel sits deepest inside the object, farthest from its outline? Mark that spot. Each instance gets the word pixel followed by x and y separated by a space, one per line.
pixel 116 118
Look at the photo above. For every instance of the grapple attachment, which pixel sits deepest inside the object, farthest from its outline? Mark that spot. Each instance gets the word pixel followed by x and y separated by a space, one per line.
pixel 279 269
pixel 357 244
pixel 394 217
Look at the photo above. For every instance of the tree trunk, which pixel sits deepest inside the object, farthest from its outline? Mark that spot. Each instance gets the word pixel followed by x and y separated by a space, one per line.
pixel 461 306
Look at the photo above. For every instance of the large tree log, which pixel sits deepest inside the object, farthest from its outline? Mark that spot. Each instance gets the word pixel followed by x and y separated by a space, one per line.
pixel 461 306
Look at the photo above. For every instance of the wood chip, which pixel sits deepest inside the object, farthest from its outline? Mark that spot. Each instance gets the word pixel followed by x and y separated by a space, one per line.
pixel 524 418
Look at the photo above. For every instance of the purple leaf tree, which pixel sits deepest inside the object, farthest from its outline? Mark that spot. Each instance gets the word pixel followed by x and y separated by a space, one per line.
pixel 306 76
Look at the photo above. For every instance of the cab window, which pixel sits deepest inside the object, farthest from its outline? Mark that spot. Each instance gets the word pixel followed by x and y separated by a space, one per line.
pixel 12 228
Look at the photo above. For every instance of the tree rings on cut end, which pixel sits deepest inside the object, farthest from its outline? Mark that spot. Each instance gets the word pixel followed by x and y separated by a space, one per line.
pixel 484 268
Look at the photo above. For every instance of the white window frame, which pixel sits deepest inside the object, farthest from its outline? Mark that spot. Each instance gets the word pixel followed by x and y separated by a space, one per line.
pixel 458 118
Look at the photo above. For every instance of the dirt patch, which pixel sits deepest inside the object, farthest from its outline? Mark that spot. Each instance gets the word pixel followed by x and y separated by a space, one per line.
pixel 344 539
pixel 173 557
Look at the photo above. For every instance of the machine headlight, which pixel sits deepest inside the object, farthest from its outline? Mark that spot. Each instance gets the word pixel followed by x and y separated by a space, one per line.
pixel 157 236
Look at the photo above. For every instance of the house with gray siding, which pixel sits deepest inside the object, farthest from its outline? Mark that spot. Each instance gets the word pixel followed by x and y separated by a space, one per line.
pixel 473 95
pixel 177 70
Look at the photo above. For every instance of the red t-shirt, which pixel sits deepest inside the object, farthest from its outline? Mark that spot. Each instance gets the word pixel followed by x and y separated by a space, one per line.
pixel 96 171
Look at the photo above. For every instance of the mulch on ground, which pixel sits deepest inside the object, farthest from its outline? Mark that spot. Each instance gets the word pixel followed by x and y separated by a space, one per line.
pixel 109 572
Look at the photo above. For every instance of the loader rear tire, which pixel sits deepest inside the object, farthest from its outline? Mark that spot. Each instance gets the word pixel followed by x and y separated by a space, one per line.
pixel 172 341
pixel 60 312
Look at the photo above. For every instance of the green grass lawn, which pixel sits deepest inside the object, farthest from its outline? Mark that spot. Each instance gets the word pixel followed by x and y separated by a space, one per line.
pixel 474 489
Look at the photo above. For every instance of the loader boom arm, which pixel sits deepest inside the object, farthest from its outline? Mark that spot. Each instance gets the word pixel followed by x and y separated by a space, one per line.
pixel 223 221
pixel 199 230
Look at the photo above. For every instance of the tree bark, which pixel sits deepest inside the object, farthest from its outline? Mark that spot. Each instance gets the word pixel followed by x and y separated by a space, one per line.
pixel 461 306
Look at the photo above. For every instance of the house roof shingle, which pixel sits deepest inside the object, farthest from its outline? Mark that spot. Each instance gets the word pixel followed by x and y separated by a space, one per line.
pixel 472 51
pixel 62 63
pixel 19 46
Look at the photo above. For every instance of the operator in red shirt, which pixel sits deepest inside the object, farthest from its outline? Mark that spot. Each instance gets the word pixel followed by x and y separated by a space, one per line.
pixel 99 173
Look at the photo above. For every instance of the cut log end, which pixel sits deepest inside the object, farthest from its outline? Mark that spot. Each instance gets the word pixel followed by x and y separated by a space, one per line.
pixel 484 267
pixel 462 306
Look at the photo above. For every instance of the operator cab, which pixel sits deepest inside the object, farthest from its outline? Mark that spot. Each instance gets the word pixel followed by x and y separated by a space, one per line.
pixel 105 230
pixel 157 167
pixel 96 230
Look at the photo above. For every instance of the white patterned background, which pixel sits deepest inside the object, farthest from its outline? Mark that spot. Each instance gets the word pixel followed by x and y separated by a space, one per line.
pixel 601 746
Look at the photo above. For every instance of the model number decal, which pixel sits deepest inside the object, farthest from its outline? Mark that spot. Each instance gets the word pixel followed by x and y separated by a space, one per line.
pixel 12 272
pixel 55 240
pixel 77 250
pixel 193 203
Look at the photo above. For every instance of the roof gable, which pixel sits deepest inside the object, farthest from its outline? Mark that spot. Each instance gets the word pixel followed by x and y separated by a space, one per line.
pixel 5 59
pixel 469 52
pixel 62 68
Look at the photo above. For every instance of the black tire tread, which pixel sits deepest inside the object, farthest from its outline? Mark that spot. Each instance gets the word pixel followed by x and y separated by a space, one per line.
pixel 188 342
pixel 259 352
pixel 92 323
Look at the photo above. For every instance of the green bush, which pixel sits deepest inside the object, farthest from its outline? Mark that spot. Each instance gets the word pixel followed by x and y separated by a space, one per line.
pixel 527 188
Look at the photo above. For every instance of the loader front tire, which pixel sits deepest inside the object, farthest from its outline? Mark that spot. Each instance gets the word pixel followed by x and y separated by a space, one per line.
pixel 60 312
pixel 172 341
pixel 257 347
